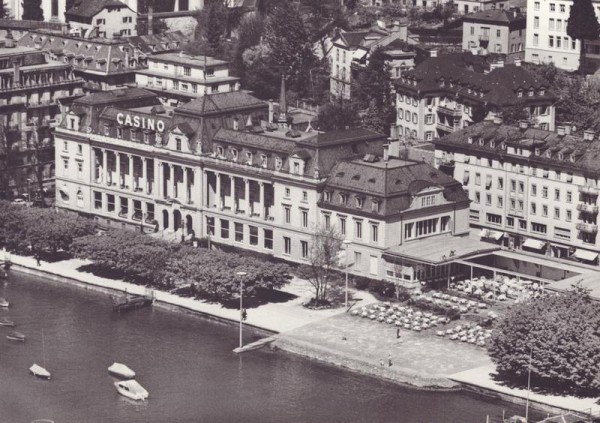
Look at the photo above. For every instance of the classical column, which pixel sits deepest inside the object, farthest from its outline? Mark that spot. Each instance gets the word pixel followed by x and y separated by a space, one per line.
pixel 145 188
pixel 131 176
pixel 104 166
pixel 196 194
pixel 118 156
pixel 219 198
pixel 104 202
pixel 170 191
pixel 204 194
pixel 247 196
pixel 261 199
pixel 157 179
pixel 234 206
pixel 186 198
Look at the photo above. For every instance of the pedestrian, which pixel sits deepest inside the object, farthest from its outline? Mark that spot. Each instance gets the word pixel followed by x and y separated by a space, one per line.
pixel 381 362
pixel 397 333
pixel 389 360
pixel 37 258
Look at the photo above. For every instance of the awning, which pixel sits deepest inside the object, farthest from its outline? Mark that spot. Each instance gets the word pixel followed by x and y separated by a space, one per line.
pixel 487 233
pixel 534 244
pixel 466 177
pixel 585 255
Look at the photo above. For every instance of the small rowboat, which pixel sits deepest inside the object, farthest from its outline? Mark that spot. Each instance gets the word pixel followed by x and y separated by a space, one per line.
pixel 4 302
pixel 121 371
pixel 5 322
pixel 131 389
pixel 40 372
pixel 16 336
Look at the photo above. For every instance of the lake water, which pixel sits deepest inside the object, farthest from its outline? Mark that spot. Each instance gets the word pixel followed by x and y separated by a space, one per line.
pixel 187 365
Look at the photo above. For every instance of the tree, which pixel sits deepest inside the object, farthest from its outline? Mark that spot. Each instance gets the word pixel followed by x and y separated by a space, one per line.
pixel 373 92
pixel 561 334
pixel 249 35
pixel 583 25
pixel 159 26
pixel 514 113
pixel 290 45
pixel 212 25
pixel 323 257
pixel 4 10
pixel 337 115
pixel 32 10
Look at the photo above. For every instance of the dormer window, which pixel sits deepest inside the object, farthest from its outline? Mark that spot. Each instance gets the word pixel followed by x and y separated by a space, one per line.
pixel 220 151
pixel 481 142
pixel 327 196
pixel 537 152
pixel 375 206
pixel 359 202
pixel 519 93
pixel 106 129
pixel 178 144
pixel 572 158
pixel 278 163
pixel 248 157
pixel 146 137
pixel 549 154
pixel 561 156
pixel 234 154
pixel 263 161
pixel 493 144
pixel 470 140
pixel 531 92
pixel 343 199
pixel 236 124
pixel 542 92
pixel 296 168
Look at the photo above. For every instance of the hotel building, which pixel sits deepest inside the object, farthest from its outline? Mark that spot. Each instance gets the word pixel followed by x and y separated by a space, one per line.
pixel 529 188
pixel 179 78
pixel 448 93
pixel 224 166
pixel 499 31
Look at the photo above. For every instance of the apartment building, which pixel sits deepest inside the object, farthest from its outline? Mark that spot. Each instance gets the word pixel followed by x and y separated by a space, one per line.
pixel 101 18
pixel 500 31
pixel 350 49
pixel 474 6
pixel 448 93
pixel 529 188
pixel 179 78
pixel 34 92
pixel 547 40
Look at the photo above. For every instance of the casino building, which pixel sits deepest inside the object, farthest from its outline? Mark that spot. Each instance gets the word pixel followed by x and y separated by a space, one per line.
pixel 225 166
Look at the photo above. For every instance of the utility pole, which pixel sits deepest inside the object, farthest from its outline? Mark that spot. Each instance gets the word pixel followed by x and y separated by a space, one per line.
pixel 241 275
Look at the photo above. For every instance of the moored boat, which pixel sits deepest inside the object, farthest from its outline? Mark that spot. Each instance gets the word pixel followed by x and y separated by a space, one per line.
pixel 42 421
pixel 121 371
pixel 131 389
pixel 4 302
pixel 6 322
pixel 39 371
pixel 16 336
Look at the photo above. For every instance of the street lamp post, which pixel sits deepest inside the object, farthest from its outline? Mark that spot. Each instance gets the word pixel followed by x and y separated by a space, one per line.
pixel 241 276
pixel 347 243
pixel 28 192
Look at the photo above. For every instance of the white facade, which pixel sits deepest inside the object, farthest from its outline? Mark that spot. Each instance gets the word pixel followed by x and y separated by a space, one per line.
pixel 109 22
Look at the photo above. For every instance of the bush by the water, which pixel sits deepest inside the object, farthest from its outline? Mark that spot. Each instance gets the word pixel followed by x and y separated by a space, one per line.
pixel 423 305
pixel 562 335
pixel 384 289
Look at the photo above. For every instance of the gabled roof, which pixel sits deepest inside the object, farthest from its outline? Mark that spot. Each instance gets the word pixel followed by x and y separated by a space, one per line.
pixel 172 40
pixel 499 16
pixel 90 8
pixel 221 102
pixel 113 96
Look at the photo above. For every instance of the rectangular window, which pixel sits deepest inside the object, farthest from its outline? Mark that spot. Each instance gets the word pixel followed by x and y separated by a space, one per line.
pixel 552 7
pixel 287 213
pixel 521 187
pixel 500 202
pixel 569 196
pixel 556 213
pixel 533 208
pixel 557 194
pixel 538 228
pixel 494 219
pixel 474 215
pixel 533 190
pixel 65 167
pixel 488 199
pixel 287 245
pixel 551 24
pixel 477 178
pixel 374 232
pixel 358 229
pixel 513 185
pixel 224 229
pixel 253 235
pixel 97 200
pixel 544 211
pixel 79 170
pixel 239 232
pixel 551 41
pixel 562 233
pixel 373 265
pixel 187 71
pixel 110 203
pixel 357 261
pixel 500 183
pixel 304 246
pixel 427 227
pixel 544 192
pixel 268 243
pixel 536 5
pixel 536 22
pixel 510 222
pixel 304 214
pixel 536 39
pixel 342 225
pixel 477 199
pixel 569 216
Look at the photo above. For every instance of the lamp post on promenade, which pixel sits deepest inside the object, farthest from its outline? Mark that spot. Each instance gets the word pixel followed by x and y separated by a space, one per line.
pixel 28 192
pixel 241 275
pixel 347 243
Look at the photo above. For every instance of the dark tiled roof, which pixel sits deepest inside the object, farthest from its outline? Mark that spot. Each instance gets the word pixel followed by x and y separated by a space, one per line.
pixel 261 141
pixel 468 73
pixel 109 97
pixel 393 183
pixel 167 41
pixel 578 155
pixel 496 16
pixel 352 39
pixel 90 8
pixel 222 102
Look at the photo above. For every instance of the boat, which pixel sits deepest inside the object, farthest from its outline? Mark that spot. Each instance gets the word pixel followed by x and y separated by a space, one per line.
pixel 129 304
pixel 39 371
pixel 42 421
pixel 121 371
pixel 4 302
pixel 6 322
pixel 16 336
pixel 131 389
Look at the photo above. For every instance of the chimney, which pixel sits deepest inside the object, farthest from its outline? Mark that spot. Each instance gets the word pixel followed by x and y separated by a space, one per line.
pixel 283 110
pixel 560 130
pixel 433 53
pixel 386 151
pixel 271 112
pixel 588 135
pixel 150 21
pixel 517 62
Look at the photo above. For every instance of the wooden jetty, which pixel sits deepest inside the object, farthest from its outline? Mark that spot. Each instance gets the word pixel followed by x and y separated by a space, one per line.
pixel 129 303
pixel 254 345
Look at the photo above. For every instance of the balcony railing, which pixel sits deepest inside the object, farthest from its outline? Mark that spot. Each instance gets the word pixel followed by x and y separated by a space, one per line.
pixel 450 111
pixel 587 227
pixel 588 189
pixel 445 127
pixel 587 208
pixel 18 87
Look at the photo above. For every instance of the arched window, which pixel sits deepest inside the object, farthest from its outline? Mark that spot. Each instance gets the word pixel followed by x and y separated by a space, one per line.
pixel 79 198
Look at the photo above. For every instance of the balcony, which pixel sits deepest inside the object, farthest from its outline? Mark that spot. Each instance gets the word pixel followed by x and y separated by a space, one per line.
pixel 587 208
pixel 450 111
pixel 21 87
pixel 588 189
pixel 590 228
pixel 444 127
